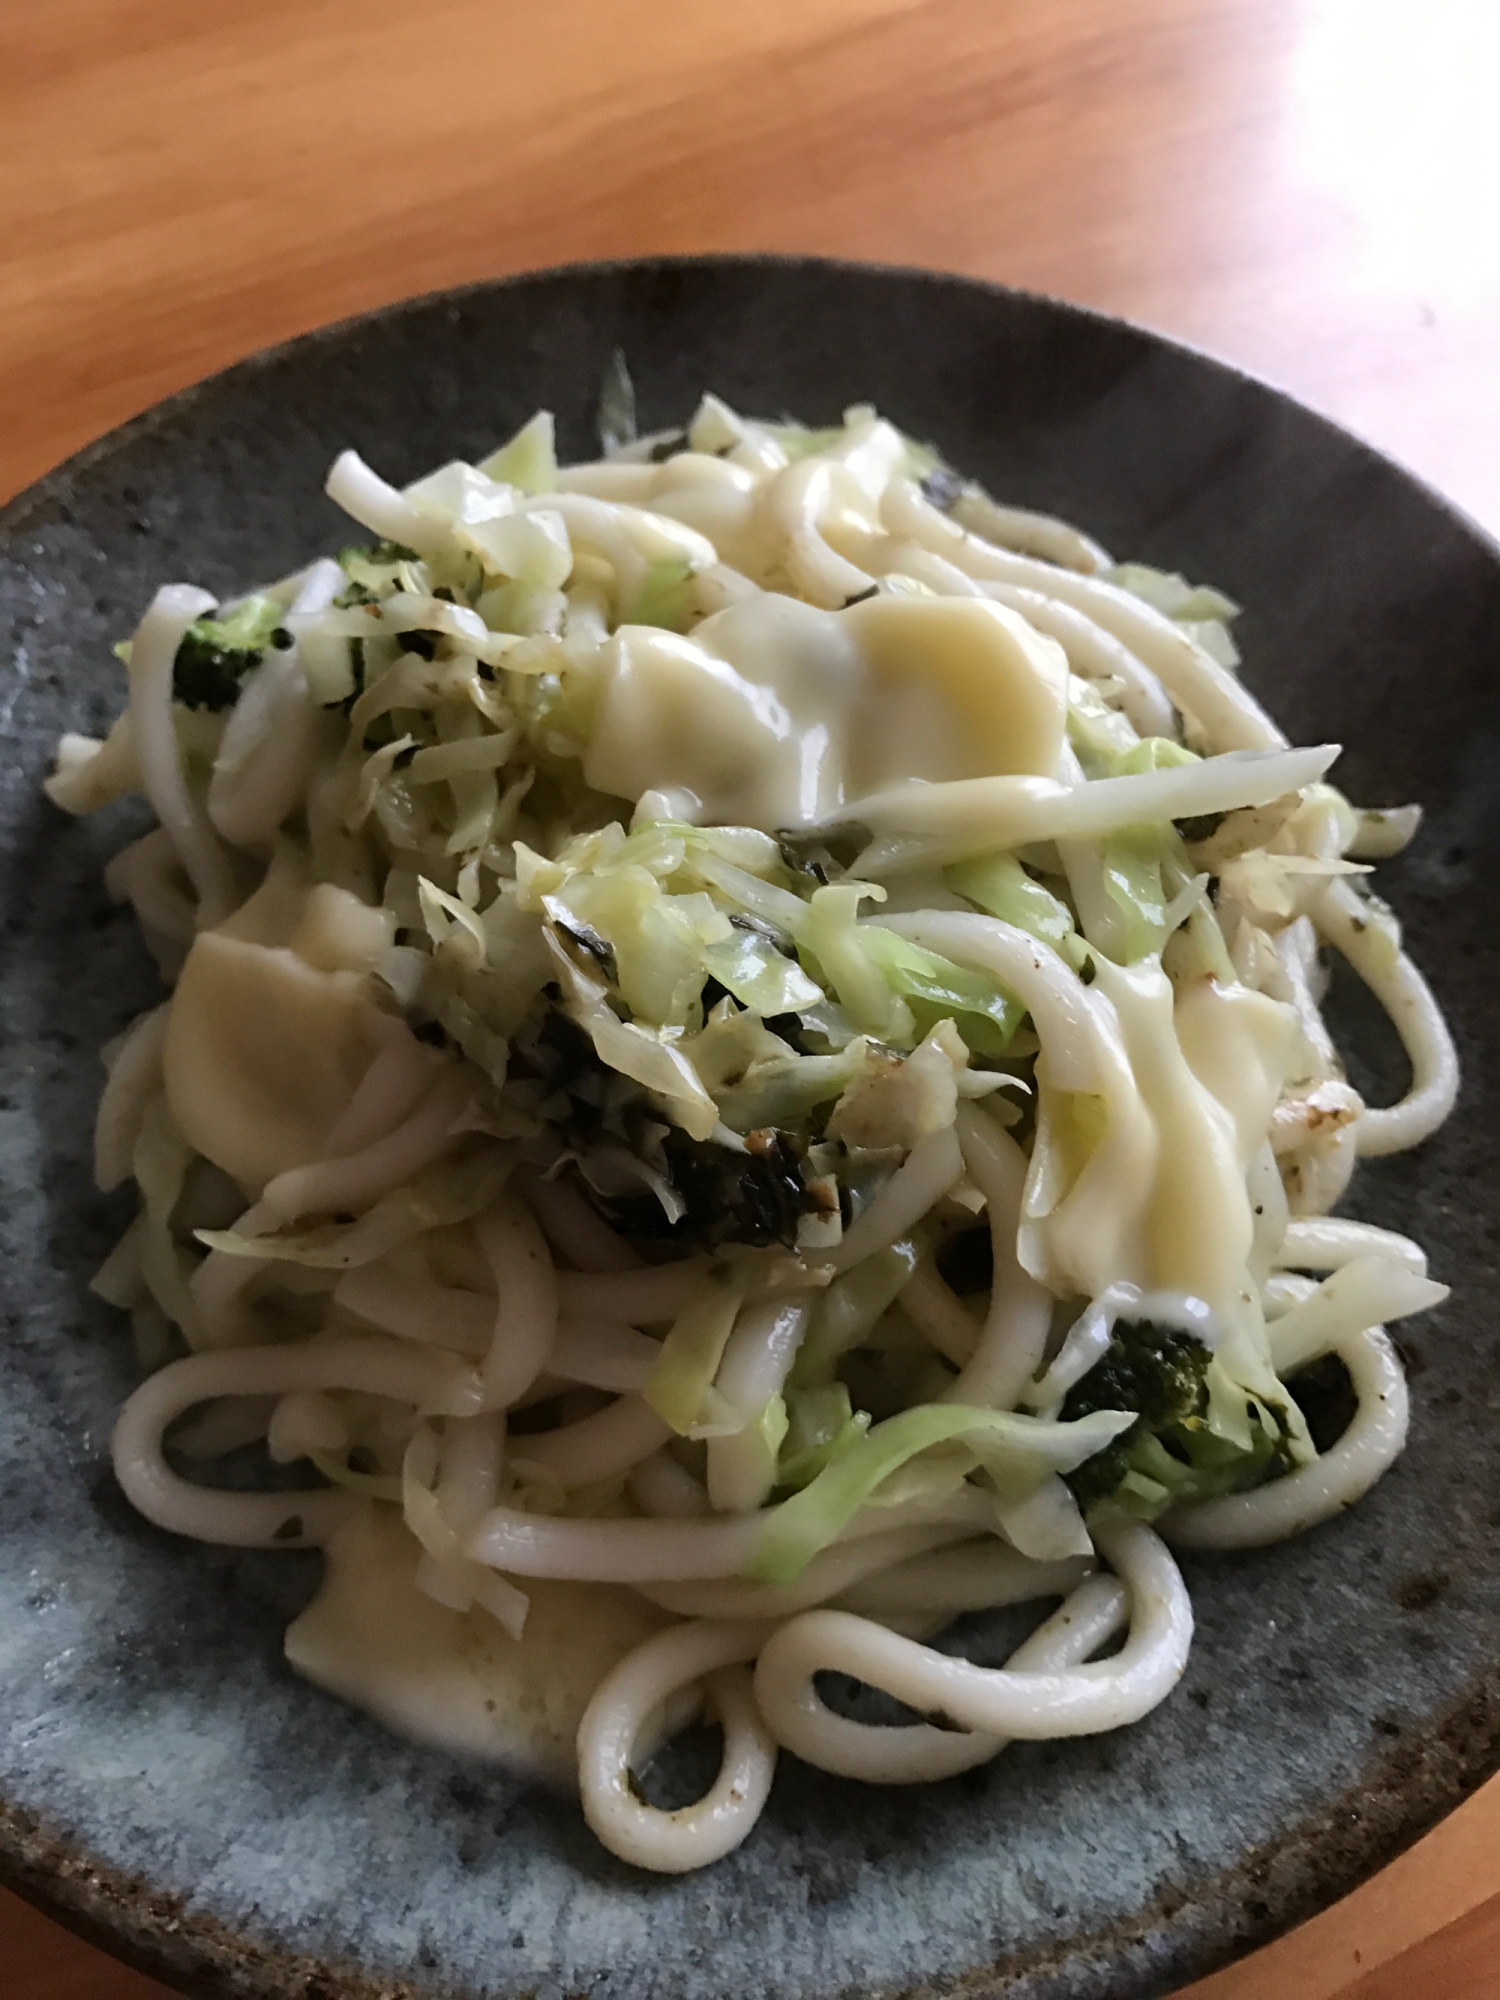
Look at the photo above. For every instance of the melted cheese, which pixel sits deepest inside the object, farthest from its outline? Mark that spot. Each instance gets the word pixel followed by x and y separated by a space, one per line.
pixel 775 714
pixel 1197 1224
pixel 453 1678
pixel 273 1023
pixel 1238 1044
pixel 1146 1184
pixel 1093 1166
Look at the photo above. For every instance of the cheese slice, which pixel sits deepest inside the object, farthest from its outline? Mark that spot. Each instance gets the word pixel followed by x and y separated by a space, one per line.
pixel 274 1022
pixel 773 713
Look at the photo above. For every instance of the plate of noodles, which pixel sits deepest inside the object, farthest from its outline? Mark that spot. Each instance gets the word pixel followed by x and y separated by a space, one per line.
pixel 775 1282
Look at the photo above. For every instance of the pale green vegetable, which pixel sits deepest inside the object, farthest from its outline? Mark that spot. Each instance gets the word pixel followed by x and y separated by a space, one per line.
pixel 830 935
pixel 368 1485
pixel 649 1057
pixel 532 548
pixel 759 976
pixel 895 990
pixel 1153 753
pixel 785 1089
pixel 851 1306
pixel 798 442
pixel 666 596
pixel 1001 887
pixel 716 427
pixel 528 609
pixel 1132 874
pixel 757 893
pixel 529 459
pixel 1168 592
pixel 245 628
pixel 753 1452
pixel 1026 1449
pixel 680 1388
pixel 665 944
pixel 821 1425
pixel 1142 867
pixel 450 1191
pixel 986 1015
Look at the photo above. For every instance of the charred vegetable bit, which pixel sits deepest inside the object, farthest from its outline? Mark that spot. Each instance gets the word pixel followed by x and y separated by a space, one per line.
pixel 1170 1453
pixel 560 1051
pixel 586 940
pixel 822 852
pixel 216 653
pixel 756 1197
pixel 756 926
pixel 1204 827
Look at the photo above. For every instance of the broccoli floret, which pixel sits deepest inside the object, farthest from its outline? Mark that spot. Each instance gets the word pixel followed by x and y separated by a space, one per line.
pixel 1169 1453
pixel 216 653
pixel 1157 1370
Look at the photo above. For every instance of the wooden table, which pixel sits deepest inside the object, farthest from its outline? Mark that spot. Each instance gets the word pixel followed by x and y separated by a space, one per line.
pixel 1306 186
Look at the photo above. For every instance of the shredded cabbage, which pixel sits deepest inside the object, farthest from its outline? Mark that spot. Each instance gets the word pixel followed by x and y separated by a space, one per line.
pixel 681 1388
pixel 1021 1450
pixel 529 459
pixel 999 885
pixel 449 1192
pixel 822 1424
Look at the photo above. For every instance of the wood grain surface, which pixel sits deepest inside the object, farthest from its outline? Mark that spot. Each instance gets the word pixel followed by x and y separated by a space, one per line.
pixel 1304 186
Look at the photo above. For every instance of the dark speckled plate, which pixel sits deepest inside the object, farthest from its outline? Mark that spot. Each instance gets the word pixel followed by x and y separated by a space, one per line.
pixel 169 1787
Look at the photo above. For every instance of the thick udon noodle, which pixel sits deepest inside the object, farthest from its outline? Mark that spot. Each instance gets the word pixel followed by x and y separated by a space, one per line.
pixel 382 1253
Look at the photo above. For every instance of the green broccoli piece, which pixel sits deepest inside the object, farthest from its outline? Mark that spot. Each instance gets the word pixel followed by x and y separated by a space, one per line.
pixel 1169 1453
pixel 216 653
